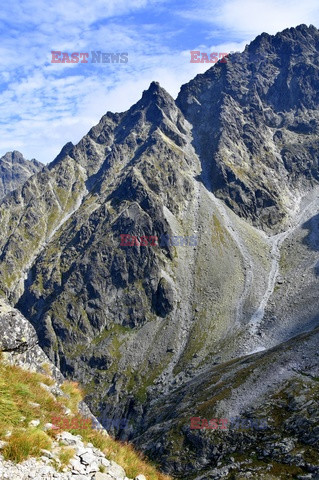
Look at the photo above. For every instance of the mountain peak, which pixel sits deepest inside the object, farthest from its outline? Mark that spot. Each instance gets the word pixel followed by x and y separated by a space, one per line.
pixel 298 33
pixel 15 155
pixel 154 101
pixel 290 40
pixel 15 170
pixel 154 85
pixel 155 89
pixel 65 150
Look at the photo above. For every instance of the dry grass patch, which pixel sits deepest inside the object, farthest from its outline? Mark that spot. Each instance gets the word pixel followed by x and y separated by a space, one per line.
pixel 25 443
pixel 65 455
pixel 24 397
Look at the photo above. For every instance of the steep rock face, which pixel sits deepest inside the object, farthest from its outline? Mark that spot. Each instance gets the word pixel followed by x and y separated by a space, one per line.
pixel 42 205
pixel 233 161
pixel 118 317
pixel 86 294
pixel 15 170
pixel 255 125
pixel 19 342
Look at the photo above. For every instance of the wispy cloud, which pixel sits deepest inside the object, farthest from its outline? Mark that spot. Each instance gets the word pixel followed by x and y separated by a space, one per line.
pixel 252 17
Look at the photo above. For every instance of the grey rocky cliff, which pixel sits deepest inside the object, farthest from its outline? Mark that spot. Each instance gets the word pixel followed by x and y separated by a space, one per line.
pixel 15 170
pixel 19 342
pixel 255 124
pixel 233 160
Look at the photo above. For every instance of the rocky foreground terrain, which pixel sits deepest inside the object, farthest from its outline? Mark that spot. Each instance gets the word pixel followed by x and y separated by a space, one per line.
pixel 226 327
pixel 83 466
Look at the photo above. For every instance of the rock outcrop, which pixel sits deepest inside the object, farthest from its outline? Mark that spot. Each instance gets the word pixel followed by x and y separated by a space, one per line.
pixel 86 464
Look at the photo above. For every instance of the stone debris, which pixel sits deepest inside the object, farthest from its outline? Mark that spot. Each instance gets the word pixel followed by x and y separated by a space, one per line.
pixel 88 463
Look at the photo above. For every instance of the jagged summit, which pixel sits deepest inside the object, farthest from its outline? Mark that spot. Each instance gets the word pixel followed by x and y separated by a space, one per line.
pixel 294 40
pixel 155 99
pixel 15 170
pixel 298 32
pixel 65 150
pixel 155 89
pixel 16 157
pixel 268 89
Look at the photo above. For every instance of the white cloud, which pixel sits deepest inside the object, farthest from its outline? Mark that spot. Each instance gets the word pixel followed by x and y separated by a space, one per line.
pixel 252 17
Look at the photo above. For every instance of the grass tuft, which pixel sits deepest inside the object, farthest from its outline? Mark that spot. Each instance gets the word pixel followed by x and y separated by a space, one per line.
pixel 25 443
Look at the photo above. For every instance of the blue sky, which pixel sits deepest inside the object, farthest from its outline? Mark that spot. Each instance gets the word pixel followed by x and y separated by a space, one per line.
pixel 44 105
